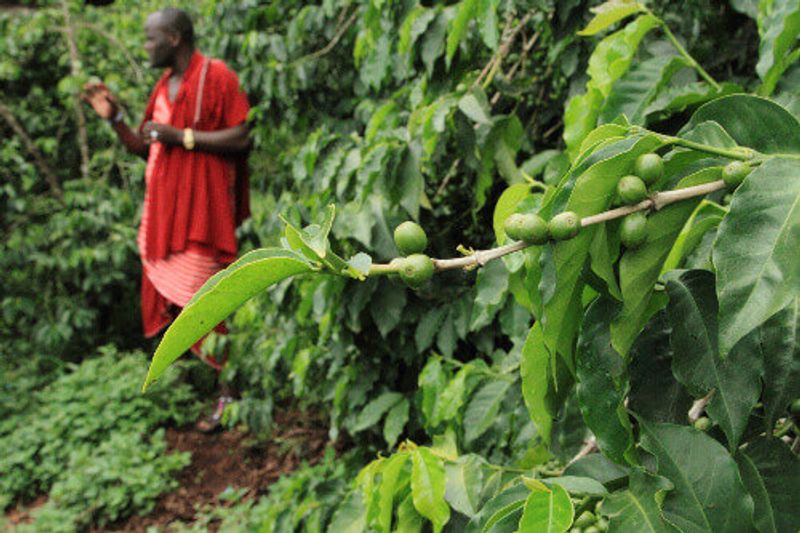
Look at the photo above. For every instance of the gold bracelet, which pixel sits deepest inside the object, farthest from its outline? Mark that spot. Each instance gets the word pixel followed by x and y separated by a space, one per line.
pixel 188 139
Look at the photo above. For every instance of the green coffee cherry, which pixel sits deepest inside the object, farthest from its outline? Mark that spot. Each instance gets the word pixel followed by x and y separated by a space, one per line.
pixel 526 227
pixel 416 269
pixel 631 190
pixel 564 225
pixel 592 529
pixel 702 423
pixel 584 520
pixel 734 173
pixel 633 231
pixel 410 238
pixel 649 167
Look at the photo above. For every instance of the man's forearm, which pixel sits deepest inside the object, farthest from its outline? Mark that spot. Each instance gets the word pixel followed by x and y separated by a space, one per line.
pixel 133 143
pixel 228 141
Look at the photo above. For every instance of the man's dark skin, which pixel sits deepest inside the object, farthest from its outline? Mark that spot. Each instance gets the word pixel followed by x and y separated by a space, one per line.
pixel 166 48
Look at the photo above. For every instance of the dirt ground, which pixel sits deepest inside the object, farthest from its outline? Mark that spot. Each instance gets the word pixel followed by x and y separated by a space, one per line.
pixel 227 459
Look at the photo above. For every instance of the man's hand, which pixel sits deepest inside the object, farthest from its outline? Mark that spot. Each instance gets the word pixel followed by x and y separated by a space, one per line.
pixel 100 98
pixel 163 133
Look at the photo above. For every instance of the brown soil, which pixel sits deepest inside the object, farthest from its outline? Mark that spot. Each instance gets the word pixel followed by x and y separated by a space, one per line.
pixel 219 461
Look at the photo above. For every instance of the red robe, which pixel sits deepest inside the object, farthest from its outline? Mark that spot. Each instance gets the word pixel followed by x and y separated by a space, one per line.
pixel 194 199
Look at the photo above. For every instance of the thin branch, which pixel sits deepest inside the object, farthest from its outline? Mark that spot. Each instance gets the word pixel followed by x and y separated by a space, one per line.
pixel 74 59
pixel 505 48
pixel 589 447
pixel 526 48
pixel 38 158
pixel 333 42
pixel 656 201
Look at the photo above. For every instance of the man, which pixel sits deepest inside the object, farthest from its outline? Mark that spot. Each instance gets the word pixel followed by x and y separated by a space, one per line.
pixel 195 140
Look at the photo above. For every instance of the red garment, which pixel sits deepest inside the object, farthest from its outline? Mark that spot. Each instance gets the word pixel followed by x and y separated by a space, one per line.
pixel 195 199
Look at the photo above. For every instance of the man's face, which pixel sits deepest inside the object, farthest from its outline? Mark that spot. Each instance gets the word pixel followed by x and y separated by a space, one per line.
pixel 160 43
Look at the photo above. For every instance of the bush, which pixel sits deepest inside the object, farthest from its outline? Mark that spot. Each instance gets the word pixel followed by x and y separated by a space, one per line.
pixel 83 419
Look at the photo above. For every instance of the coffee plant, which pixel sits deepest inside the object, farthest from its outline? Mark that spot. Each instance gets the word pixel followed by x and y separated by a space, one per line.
pixel 630 344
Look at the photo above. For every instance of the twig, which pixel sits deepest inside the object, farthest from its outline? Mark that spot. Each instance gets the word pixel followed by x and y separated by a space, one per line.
pixel 699 406
pixel 328 47
pixel 513 71
pixel 589 447
pixel 657 201
pixel 83 138
pixel 38 158
pixel 505 48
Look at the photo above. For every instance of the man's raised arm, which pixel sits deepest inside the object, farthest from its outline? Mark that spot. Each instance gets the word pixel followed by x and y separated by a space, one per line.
pixel 105 105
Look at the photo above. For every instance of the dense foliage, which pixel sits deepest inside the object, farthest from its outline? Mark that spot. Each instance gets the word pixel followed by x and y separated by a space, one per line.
pixel 492 380
pixel 89 441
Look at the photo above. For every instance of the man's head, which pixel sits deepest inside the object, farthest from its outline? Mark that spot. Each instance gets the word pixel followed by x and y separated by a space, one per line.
pixel 166 32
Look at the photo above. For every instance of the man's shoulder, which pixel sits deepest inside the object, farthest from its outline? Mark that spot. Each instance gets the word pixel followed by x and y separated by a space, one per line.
pixel 217 67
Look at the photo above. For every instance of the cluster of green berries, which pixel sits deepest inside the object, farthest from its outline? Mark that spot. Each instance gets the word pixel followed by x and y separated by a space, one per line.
pixel 532 229
pixel 590 522
pixel 416 268
pixel 632 189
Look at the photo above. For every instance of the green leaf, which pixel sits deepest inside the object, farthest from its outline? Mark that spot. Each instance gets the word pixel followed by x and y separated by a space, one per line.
pixel 655 393
pixel 350 516
pixel 609 61
pixel 390 485
pixel 395 421
pixel 464 483
pixel 534 371
pixel 220 296
pixel 636 508
pixel 487 23
pixel 592 193
pixel 708 493
pixel 639 269
pixel 676 99
pixel 452 397
pixel 599 134
pixel 433 44
pixel 578 485
pixel 428 327
pixel 580 118
pixel 467 9
pixel 771 472
pixel 706 217
pixel 501 513
pixel 387 307
pixel 603 384
pixel 780 341
pixel 431 381
pixel 475 105
pixel 482 410
pixel 753 122
pixel 598 467
pixel 779 30
pixel 634 91
pixel 613 55
pixel 696 363
pixel 547 510
pixel 375 409
pixel 506 206
pixel 610 13
pixel 428 487
pixel 408 519
pixel 413 26
pixel 604 252
pixel 755 252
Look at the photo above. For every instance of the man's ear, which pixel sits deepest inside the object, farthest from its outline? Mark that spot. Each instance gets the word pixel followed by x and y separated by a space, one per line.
pixel 174 38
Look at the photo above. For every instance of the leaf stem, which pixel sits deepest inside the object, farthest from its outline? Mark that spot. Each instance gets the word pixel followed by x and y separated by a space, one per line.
pixel 692 62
